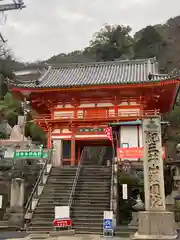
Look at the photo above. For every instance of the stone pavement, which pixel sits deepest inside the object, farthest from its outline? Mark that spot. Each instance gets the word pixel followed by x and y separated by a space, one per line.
pixel 75 237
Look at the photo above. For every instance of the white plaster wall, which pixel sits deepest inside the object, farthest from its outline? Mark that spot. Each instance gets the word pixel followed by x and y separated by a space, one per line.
pixel 104 105
pixel 57 156
pixel 129 134
pixel 65 114
pixel 86 105
pixel 140 136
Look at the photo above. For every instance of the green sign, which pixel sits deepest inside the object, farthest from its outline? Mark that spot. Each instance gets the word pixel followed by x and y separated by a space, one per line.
pixel 30 154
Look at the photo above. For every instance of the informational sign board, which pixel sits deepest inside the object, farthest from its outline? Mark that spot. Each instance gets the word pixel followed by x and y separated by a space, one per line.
pixel 62 217
pixel 62 223
pixel 108 224
pixel 62 212
pixel 134 152
pixel 24 154
pixel 108 229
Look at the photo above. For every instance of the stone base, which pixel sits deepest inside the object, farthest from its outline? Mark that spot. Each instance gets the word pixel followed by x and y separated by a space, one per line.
pixel 135 219
pixel 15 217
pixel 155 226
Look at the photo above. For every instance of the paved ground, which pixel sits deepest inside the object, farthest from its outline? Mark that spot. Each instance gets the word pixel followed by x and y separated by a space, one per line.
pixel 76 237
pixel 12 235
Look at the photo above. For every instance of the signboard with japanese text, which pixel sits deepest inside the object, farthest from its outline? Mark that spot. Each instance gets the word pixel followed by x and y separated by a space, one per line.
pixel 24 154
pixel 90 130
pixel 133 152
pixel 62 223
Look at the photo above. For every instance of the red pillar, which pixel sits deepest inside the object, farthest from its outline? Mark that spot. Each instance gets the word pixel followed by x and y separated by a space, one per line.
pixel 79 153
pixel 73 147
pixel 49 137
pixel 73 151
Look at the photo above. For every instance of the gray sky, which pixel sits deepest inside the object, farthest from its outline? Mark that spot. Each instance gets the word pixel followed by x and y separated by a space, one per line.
pixel 50 27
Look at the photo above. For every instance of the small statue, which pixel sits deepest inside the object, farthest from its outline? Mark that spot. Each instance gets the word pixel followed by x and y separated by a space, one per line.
pixel 178 149
pixel 139 203
pixel 17 130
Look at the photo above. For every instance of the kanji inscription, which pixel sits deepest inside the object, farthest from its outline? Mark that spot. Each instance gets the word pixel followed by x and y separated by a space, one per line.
pixel 153 165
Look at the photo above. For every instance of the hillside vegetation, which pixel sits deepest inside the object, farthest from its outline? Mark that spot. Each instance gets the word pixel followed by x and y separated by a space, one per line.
pixel 112 42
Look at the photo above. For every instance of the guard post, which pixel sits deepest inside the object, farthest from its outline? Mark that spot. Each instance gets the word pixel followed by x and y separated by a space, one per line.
pixel 108 226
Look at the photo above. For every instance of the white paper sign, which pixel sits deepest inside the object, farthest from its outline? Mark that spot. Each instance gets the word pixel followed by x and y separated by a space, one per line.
pixel 108 214
pixel 62 212
pixel 125 191
pixel 1 201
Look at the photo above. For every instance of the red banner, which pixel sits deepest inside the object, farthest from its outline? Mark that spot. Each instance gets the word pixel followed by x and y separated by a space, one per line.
pixel 62 223
pixel 132 152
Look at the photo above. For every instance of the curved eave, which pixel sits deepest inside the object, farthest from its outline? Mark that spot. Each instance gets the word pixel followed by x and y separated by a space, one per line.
pixel 16 88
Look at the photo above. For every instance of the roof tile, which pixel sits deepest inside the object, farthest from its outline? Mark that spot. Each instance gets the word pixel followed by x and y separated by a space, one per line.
pixel 102 73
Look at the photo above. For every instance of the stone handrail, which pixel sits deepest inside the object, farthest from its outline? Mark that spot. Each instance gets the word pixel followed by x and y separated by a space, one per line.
pixel 83 154
pixel 40 180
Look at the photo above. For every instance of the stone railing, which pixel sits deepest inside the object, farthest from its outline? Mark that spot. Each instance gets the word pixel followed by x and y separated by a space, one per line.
pixel 38 188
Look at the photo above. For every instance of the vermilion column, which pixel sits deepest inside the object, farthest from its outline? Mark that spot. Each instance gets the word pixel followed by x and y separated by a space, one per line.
pixel 73 148
pixel 49 137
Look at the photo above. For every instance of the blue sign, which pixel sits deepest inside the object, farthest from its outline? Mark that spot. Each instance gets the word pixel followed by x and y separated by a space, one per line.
pixel 108 224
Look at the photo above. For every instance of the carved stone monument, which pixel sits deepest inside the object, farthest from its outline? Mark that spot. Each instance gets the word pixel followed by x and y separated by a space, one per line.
pixel 16 135
pixel 155 222
pixel 15 214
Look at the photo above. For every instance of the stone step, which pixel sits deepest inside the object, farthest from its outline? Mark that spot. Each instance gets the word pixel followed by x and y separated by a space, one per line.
pixel 38 236
pixel 96 194
pixel 57 172
pixel 91 197
pixel 89 219
pixel 54 202
pixel 58 196
pixel 88 230
pixel 84 189
pixel 94 166
pixel 91 190
pixel 91 201
pixel 89 208
pixel 94 178
pixel 88 224
pixel 96 173
pixel 81 215
pixel 90 182
pixel 45 222
pixel 43 215
pixel 125 231
pixel 88 211
pixel 57 189
pixel 44 229
pixel 56 182
pixel 60 180
pixel 57 192
pixel 96 204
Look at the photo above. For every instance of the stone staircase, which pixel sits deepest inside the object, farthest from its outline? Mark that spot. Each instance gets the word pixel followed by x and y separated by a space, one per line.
pixel 92 198
pixel 56 192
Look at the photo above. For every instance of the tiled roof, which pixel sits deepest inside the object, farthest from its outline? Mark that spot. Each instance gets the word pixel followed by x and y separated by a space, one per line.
pixel 102 73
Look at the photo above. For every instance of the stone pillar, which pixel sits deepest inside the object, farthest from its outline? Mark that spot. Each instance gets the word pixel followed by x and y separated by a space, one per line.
pixel 57 156
pixel 155 222
pixel 15 214
pixel 114 200
pixel 17 193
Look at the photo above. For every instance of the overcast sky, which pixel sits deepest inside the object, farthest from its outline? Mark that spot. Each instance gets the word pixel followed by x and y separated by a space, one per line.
pixel 50 27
